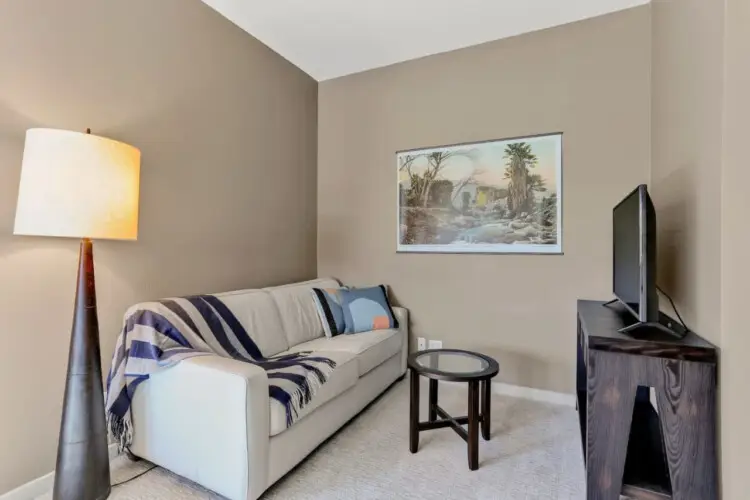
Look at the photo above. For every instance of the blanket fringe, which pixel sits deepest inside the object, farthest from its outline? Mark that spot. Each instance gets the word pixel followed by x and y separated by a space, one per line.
pixel 303 394
pixel 120 431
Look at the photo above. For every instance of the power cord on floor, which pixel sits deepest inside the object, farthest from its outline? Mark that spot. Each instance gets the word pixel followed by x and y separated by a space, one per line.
pixel 136 476
pixel 674 308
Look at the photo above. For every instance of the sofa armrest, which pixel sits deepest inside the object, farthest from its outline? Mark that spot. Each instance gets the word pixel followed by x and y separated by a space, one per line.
pixel 402 316
pixel 207 419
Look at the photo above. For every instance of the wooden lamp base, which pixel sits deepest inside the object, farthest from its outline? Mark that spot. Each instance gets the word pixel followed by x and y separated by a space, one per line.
pixel 82 471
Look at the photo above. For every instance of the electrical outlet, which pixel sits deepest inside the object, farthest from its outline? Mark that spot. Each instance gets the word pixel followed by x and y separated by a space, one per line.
pixel 436 344
pixel 421 343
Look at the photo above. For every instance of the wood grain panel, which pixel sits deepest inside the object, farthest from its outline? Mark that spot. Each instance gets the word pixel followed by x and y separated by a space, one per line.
pixel 687 410
pixel 611 396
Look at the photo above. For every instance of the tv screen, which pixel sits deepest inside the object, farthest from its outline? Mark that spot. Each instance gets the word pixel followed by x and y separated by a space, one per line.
pixel 634 259
pixel 627 249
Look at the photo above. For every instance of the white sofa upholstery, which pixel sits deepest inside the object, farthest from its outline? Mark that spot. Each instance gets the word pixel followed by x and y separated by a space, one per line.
pixel 210 419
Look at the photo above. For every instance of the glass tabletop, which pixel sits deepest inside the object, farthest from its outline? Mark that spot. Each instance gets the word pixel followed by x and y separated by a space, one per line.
pixel 452 362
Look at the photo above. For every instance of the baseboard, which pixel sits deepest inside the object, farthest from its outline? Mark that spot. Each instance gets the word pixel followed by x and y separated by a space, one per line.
pixel 41 485
pixel 517 391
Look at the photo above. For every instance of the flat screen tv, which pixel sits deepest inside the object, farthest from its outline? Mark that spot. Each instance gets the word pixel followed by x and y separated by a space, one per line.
pixel 634 255
pixel 634 262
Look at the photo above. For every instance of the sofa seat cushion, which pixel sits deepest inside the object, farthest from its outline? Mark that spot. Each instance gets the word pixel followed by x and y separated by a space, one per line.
pixel 343 377
pixel 370 348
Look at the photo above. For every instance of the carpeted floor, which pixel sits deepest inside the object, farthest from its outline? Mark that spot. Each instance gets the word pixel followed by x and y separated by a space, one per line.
pixel 534 454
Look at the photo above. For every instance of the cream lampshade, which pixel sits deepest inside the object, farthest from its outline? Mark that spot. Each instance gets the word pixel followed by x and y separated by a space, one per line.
pixel 78 185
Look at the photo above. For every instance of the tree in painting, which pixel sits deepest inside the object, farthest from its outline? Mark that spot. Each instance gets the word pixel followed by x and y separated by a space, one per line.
pixel 520 185
pixel 497 193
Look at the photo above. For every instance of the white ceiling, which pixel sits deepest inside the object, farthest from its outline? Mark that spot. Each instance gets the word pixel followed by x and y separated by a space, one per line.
pixel 332 38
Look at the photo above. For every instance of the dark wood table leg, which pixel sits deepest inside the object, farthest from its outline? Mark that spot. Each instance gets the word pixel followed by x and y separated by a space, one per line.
pixel 687 410
pixel 432 413
pixel 473 441
pixel 611 397
pixel 414 411
pixel 486 393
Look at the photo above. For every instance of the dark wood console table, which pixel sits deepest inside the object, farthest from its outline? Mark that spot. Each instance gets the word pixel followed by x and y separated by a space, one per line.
pixel 647 409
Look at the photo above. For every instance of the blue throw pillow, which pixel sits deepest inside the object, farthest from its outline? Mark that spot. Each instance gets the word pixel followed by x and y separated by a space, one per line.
pixel 367 309
pixel 328 304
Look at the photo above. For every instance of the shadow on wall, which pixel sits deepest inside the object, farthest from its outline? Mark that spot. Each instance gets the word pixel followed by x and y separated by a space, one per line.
pixel 676 213
pixel 13 127
pixel 12 122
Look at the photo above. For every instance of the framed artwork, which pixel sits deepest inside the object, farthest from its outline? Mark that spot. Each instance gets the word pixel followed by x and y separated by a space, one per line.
pixel 502 196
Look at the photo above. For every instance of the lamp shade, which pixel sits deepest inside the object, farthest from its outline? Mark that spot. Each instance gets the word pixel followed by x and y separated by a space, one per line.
pixel 78 185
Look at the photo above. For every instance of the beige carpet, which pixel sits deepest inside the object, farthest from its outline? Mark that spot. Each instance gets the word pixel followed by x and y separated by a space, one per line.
pixel 534 453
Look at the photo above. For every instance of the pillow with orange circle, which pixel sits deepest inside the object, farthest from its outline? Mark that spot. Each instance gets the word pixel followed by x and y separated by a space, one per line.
pixel 366 309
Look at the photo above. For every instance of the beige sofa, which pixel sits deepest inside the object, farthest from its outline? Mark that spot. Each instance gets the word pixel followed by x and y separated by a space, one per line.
pixel 210 419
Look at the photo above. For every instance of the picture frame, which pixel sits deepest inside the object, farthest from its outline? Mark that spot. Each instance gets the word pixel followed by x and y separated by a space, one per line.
pixel 501 196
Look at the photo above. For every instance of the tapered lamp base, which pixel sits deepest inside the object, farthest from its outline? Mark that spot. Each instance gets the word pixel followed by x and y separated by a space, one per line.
pixel 82 471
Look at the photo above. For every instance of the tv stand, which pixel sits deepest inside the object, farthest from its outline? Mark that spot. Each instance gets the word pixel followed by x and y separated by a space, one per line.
pixel 631 446
pixel 646 329
pixel 652 325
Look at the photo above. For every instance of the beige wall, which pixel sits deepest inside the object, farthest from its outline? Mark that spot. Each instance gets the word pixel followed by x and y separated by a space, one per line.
pixel 735 272
pixel 590 80
pixel 687 72
pixel 227 129
pixel 700 176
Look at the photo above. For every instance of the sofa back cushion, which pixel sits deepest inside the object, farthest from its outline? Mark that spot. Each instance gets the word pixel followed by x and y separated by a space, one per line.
pixel 259 315
pixel 297 309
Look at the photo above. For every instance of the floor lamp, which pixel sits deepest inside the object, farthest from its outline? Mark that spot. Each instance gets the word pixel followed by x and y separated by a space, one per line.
pixel 80 186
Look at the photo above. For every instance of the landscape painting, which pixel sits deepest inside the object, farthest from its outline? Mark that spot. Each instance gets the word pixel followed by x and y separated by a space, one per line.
pixel 501 196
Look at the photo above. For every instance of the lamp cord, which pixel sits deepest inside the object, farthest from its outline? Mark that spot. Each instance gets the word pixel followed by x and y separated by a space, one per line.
pixel 136 476
pixel 674 308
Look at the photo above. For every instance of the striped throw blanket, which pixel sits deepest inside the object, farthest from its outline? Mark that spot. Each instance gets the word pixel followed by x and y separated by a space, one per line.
pixel 157 335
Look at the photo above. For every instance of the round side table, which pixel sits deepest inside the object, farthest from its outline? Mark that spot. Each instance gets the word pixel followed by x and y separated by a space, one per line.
pixel 452 365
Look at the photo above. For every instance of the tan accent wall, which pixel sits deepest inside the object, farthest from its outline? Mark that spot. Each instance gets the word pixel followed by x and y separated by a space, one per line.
pixel 687 69
pixel 701 108
pixel 227 129
pixel 589 80
pixel 735 271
